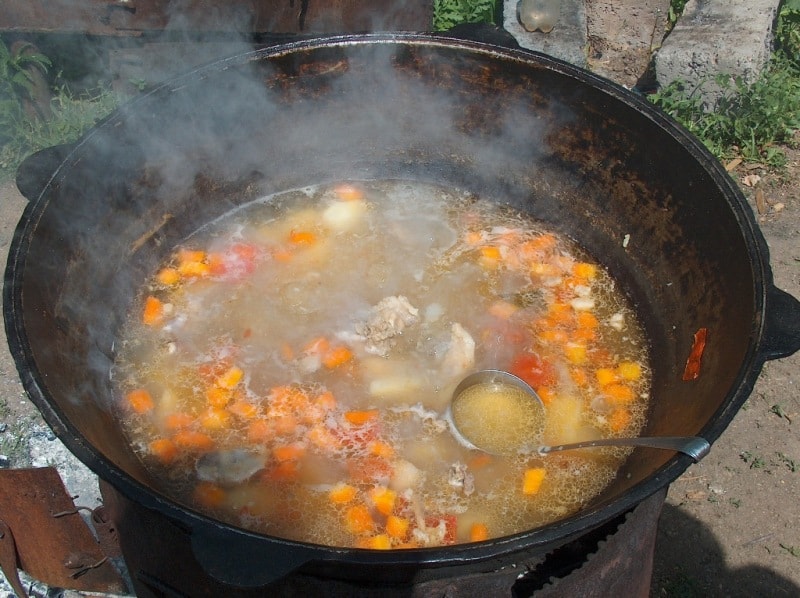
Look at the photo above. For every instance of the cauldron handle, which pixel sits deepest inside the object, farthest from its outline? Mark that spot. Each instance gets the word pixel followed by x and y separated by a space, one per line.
pixel 36 170
pixel 782 324
pixel 246 561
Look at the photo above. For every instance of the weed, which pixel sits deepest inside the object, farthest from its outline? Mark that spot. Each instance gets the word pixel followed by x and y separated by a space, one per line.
pixel 778 410
pixel 449 13
pixel 21 135
pixel 750 119
pixel 736 502
pixel 788 462
pixel 793 550
pixel 753 460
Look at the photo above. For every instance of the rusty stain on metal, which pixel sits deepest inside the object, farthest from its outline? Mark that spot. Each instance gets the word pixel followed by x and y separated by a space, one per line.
pixel 53 549
pixel 9 560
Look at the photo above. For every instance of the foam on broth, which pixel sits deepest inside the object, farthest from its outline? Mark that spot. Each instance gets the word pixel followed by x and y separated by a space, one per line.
pixel 288 369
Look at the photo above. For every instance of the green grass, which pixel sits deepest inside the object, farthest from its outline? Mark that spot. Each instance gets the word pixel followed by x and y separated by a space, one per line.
pixel 21 133
pixel 449 13
pixel 751 120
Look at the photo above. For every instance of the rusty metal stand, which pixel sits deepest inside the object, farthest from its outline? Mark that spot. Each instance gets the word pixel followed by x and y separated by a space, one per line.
pixel 43 534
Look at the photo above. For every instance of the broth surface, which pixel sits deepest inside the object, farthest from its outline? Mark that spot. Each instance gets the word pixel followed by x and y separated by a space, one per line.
pixel 289 368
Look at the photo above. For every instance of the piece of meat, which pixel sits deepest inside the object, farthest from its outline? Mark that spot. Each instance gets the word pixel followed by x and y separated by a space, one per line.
pixel 387 320
pixel 460 477
pixel 460 356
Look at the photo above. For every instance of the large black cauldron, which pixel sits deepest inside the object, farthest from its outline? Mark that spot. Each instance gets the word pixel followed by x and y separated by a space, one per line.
pixel 577 152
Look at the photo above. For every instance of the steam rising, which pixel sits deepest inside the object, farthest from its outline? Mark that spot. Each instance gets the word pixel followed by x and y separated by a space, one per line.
pixel 240 129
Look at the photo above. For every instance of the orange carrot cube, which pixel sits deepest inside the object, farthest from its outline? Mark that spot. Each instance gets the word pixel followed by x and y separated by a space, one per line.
pixel 532 480
pixel 342 493
pixel 397 527
pixel 358 520
pixel 153 311
pixel 478 532
pixel 164 450
pixel 359 418
pixel 140 400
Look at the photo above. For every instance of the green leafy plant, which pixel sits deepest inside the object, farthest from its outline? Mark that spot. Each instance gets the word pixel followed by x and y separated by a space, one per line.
pixel 750 120
pixel 22 133
pixel 449 13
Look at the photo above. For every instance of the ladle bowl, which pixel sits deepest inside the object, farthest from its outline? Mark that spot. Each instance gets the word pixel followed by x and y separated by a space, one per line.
pixel 476 415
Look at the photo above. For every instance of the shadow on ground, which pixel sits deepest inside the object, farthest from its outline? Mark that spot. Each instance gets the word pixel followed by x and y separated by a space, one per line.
pixel 690 563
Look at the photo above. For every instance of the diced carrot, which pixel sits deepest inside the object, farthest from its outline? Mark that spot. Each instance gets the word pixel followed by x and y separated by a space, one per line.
pixel 560 313
pixel 342 493
pixel 209 495
pixel 230 378
pixel 194 441
pixel 336 356
pixel 359 418
pixel 586 319
pixel 540 243
pixel 579 376
pixel 259 430
pixel 383 499
pixel 575 353
pixel 168 276
pixel 503 309
pixel 619 420
pixel 178 421
pixel 153 311
pixel 629 370
pixel 358 520
pixel 619 393
pixel 217 396
pixel 285 471
pixel 584 270
pixel 243 409
pixel 605 376
pixel 532 480
pixel 140 400
pixel 191 255
pixel 300 237
pixel 478 532
pixel 490 252
pixel 194 269
pixel 397 527
pixel 347 192
pixel 381 449
pixel 164 450
pixel 215 418
pixel 546 393
pixel 378 542
pixel 287 400
pixel 288 452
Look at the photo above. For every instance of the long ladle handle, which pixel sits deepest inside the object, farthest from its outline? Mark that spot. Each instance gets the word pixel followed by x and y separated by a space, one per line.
pixel 694 446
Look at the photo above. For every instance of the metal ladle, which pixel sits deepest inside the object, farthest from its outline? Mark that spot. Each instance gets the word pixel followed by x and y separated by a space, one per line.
pixel 489 404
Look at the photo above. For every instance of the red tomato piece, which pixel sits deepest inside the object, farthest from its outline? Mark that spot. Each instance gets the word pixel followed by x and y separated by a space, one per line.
pixel 533 370
pixel 449 526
